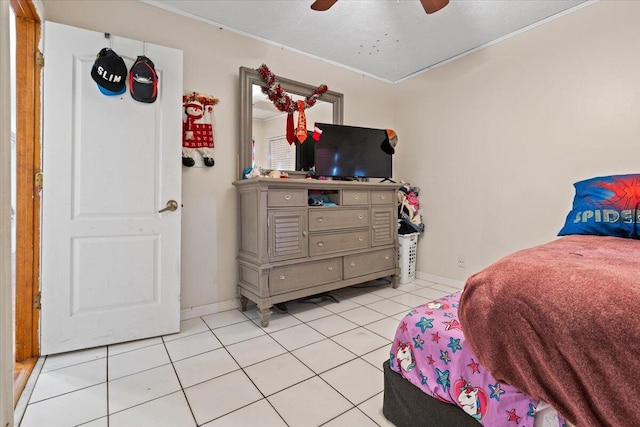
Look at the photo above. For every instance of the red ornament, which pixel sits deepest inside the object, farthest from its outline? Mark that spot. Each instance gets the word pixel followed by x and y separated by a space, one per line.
pixel 281 100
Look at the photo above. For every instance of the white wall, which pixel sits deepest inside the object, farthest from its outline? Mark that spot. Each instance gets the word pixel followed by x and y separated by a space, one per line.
pixel 212 58
pixel 6 294
pixel 496 139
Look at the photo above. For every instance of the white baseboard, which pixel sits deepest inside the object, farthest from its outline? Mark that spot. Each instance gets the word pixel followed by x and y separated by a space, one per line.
pixel 204 310
pixel 438 279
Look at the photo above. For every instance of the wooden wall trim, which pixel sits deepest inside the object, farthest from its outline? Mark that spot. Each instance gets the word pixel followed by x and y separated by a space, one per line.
pixel 28 163
pixel 25 9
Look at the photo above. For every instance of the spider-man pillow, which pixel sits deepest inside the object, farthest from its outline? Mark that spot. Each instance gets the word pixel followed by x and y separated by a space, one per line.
pixel 605 206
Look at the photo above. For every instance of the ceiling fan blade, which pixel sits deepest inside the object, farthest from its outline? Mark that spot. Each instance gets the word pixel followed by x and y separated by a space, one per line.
pixel 322 5
pixel 431 6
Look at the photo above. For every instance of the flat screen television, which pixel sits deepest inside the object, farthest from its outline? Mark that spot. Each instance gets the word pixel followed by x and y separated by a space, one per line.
pixel 351 152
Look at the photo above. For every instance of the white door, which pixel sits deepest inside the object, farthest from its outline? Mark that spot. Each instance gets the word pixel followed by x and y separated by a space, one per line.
pixel 110 269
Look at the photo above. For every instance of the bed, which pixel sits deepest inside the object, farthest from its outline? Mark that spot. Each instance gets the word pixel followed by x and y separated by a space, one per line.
pixel 548 335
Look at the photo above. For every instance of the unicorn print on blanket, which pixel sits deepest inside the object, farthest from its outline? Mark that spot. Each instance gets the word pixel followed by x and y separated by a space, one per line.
pixel 472 400
pixel 404 355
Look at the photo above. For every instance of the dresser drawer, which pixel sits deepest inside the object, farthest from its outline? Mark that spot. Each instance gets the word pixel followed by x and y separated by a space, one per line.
pixel 358 265
pixel 329 243
pixel 283 197
pixel 300 276
pixel 334 218
pixel 355 197
pixel 386 197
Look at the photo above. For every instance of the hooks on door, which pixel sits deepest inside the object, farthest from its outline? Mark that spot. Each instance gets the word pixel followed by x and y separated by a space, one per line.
pixel 110 38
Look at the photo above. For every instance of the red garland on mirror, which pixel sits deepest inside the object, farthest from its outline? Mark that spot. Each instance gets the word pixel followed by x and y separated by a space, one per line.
pixel 283 102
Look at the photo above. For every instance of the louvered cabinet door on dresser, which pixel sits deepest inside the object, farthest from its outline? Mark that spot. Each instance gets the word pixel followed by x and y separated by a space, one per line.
pixel 290 250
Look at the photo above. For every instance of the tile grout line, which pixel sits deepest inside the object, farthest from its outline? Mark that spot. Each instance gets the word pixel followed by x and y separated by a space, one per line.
pixel 107 378
pixel 175 371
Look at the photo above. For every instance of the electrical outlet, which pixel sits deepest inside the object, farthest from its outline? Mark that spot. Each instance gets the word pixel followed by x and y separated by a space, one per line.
pixel 461 262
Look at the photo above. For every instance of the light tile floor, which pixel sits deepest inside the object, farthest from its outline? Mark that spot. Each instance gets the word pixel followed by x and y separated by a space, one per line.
pixel 318 365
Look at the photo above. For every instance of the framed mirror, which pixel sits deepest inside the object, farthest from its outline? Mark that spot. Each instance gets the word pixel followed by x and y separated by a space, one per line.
pixel 266 125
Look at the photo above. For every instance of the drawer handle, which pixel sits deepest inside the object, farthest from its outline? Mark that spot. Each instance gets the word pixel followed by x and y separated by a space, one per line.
pixel 386 257
pixel 320 219
pixel 360 239
pixel 282 277
pixel 360 216
pixel 353 263
pixel 355 197
pixel 287 197
pixel 330 268
pixel 383 197
pixel 320 244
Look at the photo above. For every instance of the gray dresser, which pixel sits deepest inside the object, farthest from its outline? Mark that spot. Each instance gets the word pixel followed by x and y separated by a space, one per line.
pixel 290 250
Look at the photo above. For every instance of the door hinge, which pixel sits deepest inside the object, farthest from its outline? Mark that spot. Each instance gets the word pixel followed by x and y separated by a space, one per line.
pixel 40 59
pixel 36 301
pixel 38 180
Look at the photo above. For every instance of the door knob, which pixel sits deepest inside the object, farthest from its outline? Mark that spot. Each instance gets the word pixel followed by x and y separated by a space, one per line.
pixel 172 205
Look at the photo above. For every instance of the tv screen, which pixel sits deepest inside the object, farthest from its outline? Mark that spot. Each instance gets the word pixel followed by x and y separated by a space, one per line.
pixel 351 151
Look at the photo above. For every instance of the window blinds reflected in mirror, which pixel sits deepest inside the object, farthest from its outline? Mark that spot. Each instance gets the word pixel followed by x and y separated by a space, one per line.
pixel 282 155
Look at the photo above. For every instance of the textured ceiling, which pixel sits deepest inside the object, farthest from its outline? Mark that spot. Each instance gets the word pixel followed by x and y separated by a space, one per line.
pixel 388 39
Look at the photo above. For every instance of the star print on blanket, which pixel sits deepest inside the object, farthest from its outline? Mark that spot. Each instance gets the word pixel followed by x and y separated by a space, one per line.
pixel 430 351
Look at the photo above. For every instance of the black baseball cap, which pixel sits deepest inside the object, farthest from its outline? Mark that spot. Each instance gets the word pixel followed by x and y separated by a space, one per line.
pixel 109 72
pixel 143 80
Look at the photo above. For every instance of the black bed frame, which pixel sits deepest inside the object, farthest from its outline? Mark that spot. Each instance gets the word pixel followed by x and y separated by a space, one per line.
pixel 406 405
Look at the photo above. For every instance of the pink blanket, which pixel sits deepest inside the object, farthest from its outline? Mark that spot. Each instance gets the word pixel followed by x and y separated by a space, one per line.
pixel 430 351
pixel 561 322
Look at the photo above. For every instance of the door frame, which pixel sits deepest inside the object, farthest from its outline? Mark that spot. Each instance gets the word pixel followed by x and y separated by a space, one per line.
pixel 28 165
